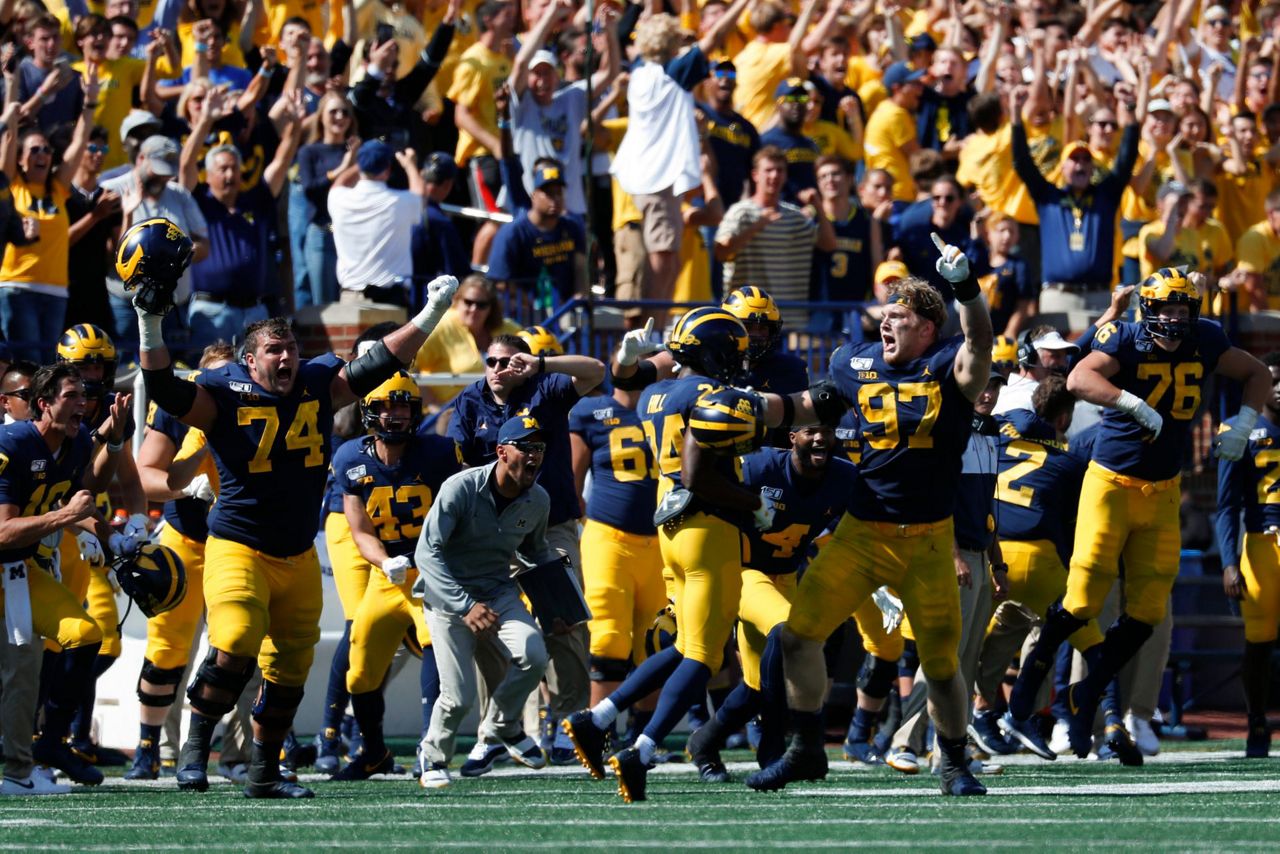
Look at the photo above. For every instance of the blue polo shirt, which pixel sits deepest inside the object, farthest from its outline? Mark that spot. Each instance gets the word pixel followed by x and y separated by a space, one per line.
pixel 521 251
pixel 242 245
pixel 477 417
pixel 734 141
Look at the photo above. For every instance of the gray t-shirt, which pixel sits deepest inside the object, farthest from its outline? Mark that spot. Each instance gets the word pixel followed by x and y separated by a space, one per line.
pixel 552 131
pixel 175 204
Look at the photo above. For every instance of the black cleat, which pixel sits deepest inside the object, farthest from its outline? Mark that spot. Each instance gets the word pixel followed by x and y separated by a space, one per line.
pixel 1122 746
pixel 58 754
pixel 956 779
pixel 631 774
pixel 193 778
pixel 1027 733
pixel 1257 744
pixel 704 753
pixel 362 768
pixel 588 741
pixel 793 766
pixel 277 790
pixel 146 762
pixel 1080 717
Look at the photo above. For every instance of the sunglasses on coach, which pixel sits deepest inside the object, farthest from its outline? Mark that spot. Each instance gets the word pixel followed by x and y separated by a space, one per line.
pixel 497 363
pixel 529 447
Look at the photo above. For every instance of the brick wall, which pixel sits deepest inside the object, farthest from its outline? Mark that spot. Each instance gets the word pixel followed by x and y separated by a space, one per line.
pixel 334 328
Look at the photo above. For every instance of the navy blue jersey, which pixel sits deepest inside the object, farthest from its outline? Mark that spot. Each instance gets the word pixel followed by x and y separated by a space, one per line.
pixel 849 435
pixel 801 152
pixel 188 516
pixel 35 479
pixel 1170 383
pixel 664 409
pixel 624 480
pixel 805 508
pixel 845 274
pixel 332 491
pixel 396 497
pixel 477 417
pixel 1249 486
pixel 272 453
pixel 1038 488
pixel 975 500
pixel 779 373
pixel 734 142
pixel 1003 287
pixel 914 423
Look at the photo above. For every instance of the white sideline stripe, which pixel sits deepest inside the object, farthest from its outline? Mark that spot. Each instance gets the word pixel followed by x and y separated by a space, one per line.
pixel 1190 787
pixel 719 845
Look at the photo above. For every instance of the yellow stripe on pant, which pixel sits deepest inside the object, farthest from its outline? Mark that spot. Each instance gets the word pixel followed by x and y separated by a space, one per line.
pixel 170 635
pixel 1260 566
pixel 1124 517
pixel 915 560
pixel 622 574
pixel 350 569
pixel 704 554
pixel 386 612
pixel 765 604
pixel 264 606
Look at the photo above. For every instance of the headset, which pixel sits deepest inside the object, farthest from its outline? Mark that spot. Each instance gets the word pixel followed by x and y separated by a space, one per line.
pixel 1028 357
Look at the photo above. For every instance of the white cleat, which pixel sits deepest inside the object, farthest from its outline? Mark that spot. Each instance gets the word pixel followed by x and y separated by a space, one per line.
pixel 1143 735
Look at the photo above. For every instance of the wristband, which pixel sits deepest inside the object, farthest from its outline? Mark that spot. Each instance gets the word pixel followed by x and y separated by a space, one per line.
pixel 788 411
pixel 542 366
pixel 115 447
pixel 968 290
pixel 201 47
pixel 266 71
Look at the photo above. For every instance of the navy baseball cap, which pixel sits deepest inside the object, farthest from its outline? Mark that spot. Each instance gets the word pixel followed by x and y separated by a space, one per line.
pixel 900 73
pixel 547 175
pixel 440 167
pixel 515 429
pixel 375 157
pixel 924 41
pixel 792 87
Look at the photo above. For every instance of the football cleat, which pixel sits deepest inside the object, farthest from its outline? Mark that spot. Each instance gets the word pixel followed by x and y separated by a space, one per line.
pixel 95 754
pixel 481 758
pixel 58 754
pixel 277 790
pixel 1079 721
pixel 631 774
pixel 1059 741
pixel 1143 734
pixel 362 768
pixel 588 741
pixel 1257 744
pixel 32 784
pixel 1122 746
pixel 861 753
pixel 902 759
pixel 985 732
pixel 561 752
pixel 146 761
pixel 525 750
pixel 294 754
pixel 793 766
pixel 955 778
pixel 705 755
pixel 435 776
pixel 328 751
pixel 1027 733
pixel 168 768
pixel 193 778
pixel 236 772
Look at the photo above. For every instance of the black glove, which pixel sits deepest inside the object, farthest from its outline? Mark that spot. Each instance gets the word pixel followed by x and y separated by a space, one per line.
pixel 154 296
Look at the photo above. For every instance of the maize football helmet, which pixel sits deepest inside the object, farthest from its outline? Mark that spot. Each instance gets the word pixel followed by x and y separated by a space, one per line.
pixel 1168 286
pixel 86 344
pixel 401 388
pixel 151 259
pixel 728 421
pixel 712 342
pixel 153 577
pixel 541 341
pixel 754 307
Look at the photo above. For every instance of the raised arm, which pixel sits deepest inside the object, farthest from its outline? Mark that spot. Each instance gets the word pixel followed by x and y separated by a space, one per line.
pixel 276 172
pixel 973 360
pixel 74 152
pixel 800 59
pixel 712 38
pixel 519 77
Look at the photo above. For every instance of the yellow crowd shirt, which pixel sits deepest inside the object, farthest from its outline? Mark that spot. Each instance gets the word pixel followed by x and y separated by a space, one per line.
pixel 42 266
pixel 480 72
pixel 889 128
pixel 1258 251
pixel 761 67
pixel 986 164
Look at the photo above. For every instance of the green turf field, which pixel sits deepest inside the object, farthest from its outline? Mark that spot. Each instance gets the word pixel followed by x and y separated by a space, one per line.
pixel 1185 799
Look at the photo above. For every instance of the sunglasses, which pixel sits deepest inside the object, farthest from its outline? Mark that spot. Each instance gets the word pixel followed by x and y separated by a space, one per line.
pixel 725 75
pixel 1220 22
pixel 476 303
pixel 20 393
pixel 95 148
pixel 40 149
pixel 794 99
pixel 945 200
pixel 529 447
pixel 496 363
pixel 1106 124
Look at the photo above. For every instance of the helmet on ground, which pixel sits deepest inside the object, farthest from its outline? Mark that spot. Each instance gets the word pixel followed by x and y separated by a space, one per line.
pixel 153 577
pixel 712 342
pixel 727 420
pixel 86 344
pixel 753 305
pixel 401 388
pixel 1168 286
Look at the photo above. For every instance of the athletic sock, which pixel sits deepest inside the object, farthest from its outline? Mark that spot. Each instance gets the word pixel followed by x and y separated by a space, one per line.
pixel 651 675
pixel 807 732
pixel 150 732
pixel 604 713
pixel 1122 642
pixel 73 674
pixel 195 750
pixel 369 708
pixel 773 686
pixel 1255 674
pixel 428 685
pixel 683 689
pixel 646 747
pixel 1058 626
pixel 264 764
pixel 739 707
pixel 335 695
pixel 864 721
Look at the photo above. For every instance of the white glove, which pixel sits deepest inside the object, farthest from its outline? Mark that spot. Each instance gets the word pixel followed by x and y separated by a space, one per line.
pixel 764 514
pixel 637 344
pixel 136 527
pixel 200 488
pixel 49 554
pixel 396 568
pixel 1231 444
pixel 1143 414
pixel 112 580
pixel 890 608
pixel 953 265
pixel 122 544
pixel 90 549
pixel 440 291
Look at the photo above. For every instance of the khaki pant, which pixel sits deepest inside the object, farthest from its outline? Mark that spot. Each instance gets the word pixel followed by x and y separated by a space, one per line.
pixel 20 684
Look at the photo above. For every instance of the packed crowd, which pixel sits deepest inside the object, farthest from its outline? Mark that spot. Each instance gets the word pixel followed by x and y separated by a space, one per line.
pixel 972 181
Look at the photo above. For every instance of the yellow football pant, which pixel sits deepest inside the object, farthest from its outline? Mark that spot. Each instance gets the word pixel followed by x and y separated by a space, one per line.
pixel 385 613
pixel 1260 566
pixel 89 586
pixel 704 554
pixel 1125 517
pixel 169 635
pixel 56 613
pixel 915 560
pixel 765 604
pixel 622 575
pixel 1037 579
pixel 875 640
pixel 350 569
pixel 264 606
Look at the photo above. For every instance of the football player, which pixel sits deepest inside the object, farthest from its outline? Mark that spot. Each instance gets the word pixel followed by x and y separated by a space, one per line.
pixel 175 467
pixel 702 506
pixel 267 421
pixel 807 488
pixel 93 353
pixel 1251 573
pixel 915 393
pixel 1149 376
pixel 388 480
pixel 770 368
pixel 47 483
pixel 621 561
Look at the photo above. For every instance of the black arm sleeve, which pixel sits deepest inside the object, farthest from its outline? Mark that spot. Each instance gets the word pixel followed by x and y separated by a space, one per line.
pixel 1126 158
pixel 1026 167
pixel 646 374
pixel 171 394
pixel 376 366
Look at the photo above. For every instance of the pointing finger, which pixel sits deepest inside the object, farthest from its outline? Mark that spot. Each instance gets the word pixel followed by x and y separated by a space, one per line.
pixel 648 328
pixel 938 241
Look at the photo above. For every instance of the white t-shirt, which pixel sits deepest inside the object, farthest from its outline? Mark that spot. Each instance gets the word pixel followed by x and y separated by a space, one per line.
pixel 552 131
pixel 372 224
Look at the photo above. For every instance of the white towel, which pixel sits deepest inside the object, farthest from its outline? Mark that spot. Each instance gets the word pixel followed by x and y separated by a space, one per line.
pixel 17 603
pixel 661 147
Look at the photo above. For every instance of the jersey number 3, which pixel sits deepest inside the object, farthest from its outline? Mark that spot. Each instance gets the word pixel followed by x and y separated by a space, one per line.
pixel 304 434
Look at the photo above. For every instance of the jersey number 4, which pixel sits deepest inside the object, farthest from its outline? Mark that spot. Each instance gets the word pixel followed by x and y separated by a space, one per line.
pixel 416 496
pixel 303 435
pixel 879 405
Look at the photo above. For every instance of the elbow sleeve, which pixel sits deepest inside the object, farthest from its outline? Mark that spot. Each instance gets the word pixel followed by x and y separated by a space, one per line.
pixel 171 394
